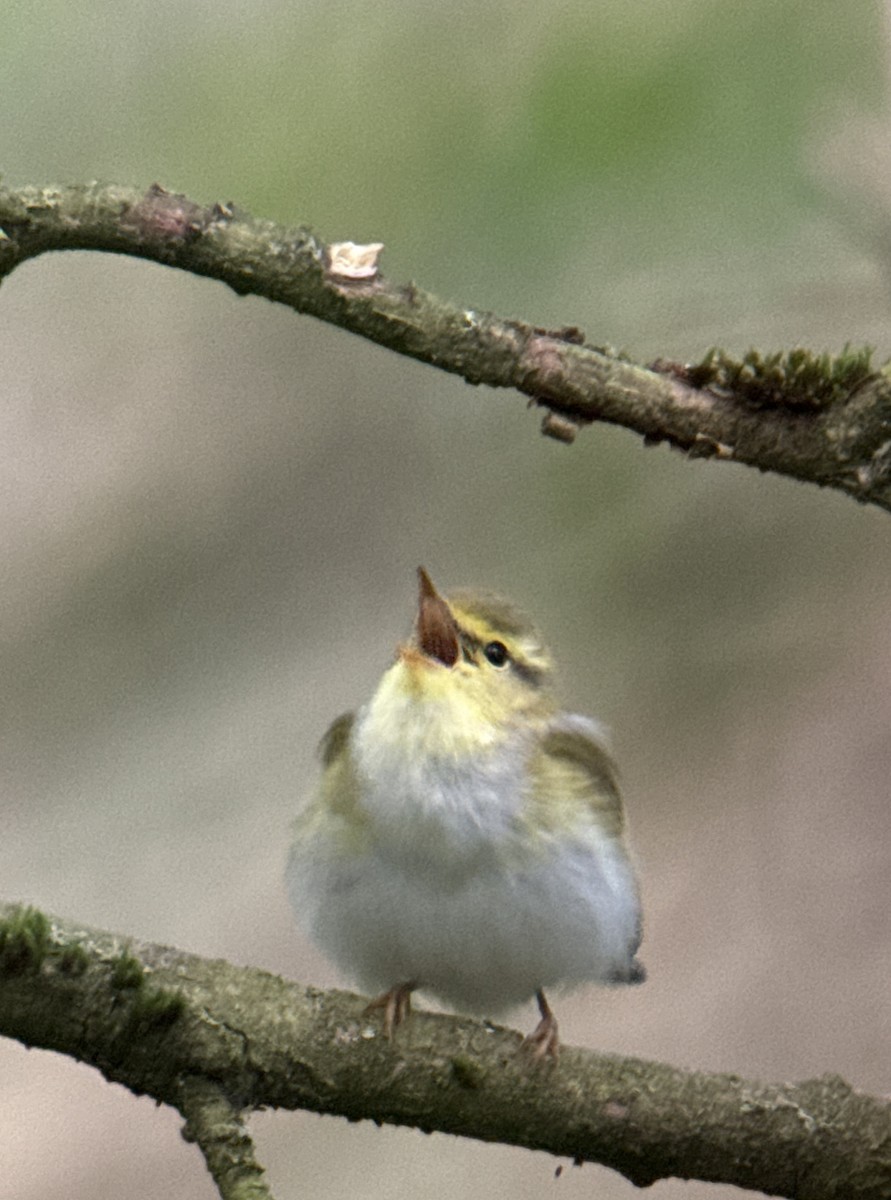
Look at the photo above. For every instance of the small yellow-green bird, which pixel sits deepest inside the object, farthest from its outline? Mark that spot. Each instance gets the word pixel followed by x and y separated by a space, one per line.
pixel 466 837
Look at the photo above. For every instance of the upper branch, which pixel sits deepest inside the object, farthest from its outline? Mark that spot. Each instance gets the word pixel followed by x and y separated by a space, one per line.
pixel 837 434
pixel 214 1040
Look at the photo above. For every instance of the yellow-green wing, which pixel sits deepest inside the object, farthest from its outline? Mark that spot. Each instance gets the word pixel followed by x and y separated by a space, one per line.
pixel 337 796
pixel 335 739
pixel 573 770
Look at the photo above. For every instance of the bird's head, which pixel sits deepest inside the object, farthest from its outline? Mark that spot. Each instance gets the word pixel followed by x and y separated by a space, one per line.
pixel 477 657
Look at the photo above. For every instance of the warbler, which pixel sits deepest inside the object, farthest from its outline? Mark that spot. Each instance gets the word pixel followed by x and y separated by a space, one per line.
pixel 466 837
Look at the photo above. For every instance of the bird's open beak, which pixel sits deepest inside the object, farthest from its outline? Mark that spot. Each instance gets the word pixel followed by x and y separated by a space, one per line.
pixel 437 629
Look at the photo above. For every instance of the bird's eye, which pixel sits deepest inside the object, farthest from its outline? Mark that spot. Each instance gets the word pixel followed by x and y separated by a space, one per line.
pixel 496 653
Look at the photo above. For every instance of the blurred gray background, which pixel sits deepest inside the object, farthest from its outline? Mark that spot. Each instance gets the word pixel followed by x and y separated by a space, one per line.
pixel 213 509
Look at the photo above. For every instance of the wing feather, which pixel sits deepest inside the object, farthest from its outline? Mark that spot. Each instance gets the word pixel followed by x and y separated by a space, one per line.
pixel 574 769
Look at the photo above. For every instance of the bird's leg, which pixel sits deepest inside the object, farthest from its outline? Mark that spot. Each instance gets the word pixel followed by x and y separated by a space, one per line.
pixel 543 1041
pixel 396 1004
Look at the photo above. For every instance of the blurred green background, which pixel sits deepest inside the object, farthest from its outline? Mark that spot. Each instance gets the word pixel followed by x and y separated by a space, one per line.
pixel 213 510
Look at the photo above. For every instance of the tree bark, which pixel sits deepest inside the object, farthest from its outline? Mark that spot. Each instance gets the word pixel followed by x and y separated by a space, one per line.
pixel 808 416
pixel 215 1041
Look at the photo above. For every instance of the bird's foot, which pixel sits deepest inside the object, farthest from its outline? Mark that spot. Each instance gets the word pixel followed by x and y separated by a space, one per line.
pixel 396 1005
pixel 544 1041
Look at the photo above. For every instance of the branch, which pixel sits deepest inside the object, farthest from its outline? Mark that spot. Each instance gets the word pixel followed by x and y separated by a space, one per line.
pixel 214 1040
pixel 216 1124
pixel 805 416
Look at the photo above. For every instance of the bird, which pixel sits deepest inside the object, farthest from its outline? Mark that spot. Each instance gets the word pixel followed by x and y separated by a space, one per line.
pixel 466 837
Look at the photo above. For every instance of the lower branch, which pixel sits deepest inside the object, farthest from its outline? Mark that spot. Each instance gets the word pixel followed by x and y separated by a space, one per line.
pixel 151 1017
pixel 216 1125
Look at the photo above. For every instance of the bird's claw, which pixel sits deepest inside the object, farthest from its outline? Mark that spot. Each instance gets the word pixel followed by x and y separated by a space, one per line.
pixel 544 1040
pixel 396 1005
